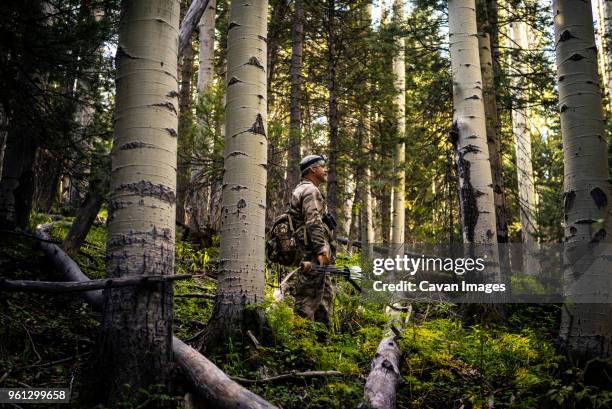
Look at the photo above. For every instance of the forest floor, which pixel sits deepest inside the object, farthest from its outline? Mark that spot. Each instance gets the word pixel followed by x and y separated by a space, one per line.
pixel 49 341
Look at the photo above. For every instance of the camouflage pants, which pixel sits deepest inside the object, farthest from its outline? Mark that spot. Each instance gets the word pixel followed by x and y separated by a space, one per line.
pixel 314 296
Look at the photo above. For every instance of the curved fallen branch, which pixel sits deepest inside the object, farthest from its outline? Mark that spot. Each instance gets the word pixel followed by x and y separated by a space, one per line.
pixel 286 376
pixel 210 383
pixel 76 286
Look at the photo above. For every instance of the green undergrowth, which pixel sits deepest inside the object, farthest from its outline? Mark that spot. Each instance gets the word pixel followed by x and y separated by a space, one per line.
pixel 47 340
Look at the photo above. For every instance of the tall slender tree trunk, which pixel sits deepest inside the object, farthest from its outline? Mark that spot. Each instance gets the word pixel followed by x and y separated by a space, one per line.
pixel 586 329
pixel 17 184
pixel 198 198
pixel 469 123
pixel 136 340
pixel 3 136
pixel 522 143
pixel 332 182
pixel 185 134
pixel 241 271
pixel 207 47
pixel 398 214
pixel 604 46
pixel 489 93
pixel 295 119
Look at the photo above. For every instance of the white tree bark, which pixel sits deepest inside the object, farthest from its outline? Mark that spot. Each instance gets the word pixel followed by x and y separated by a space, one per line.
pixel 137 325
pixel 469 126
pixel 243 203
pixel 603 10
pixel 586 329
pixel 519 34
pixel 197 200
pixel 207 47
pixel 399 152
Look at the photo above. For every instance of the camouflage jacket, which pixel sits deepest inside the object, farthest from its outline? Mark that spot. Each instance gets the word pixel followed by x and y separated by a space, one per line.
pixel 307 209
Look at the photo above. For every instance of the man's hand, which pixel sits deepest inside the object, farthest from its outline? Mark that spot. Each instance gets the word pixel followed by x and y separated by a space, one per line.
pixel 323 259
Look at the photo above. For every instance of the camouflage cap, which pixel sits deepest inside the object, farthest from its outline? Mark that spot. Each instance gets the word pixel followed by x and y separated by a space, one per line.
pixel 311 160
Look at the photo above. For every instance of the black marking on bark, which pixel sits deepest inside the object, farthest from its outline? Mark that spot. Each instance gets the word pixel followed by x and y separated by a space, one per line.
pixel 599 236
pixel 566 35
pixel 135 145
pixel 172 94
pixel 263 206
pixel 453 134
pixel 254 61
pixel 238 188
pixel 568 200
pixel 473 97
pixel 561 78
pixel 470 149
pixel 145 188
pixel 241 204
pixel 166 104
pixel 262 38
pixel 232 25
pixel 573 230
pixel 600 198
pixel 563 108
pixel 172 132
pixel 576 57
pixel 236 153
pixel 258 126
pixel 585 221
pixel 121 52
pixel 490 234
pixel 469 196
pixel 387 365
pixel 233 81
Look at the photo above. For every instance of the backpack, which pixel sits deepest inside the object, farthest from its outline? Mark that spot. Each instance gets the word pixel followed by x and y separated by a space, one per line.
pixel 281 244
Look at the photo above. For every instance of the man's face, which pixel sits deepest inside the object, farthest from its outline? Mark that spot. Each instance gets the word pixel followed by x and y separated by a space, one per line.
pixel 320 172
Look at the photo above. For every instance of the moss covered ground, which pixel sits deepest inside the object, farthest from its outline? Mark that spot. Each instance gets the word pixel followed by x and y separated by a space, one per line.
pixel 49 341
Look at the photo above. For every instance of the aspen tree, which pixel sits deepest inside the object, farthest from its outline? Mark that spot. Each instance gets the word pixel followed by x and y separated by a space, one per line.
pixel 206 28
pixel 197 200
pixel 586 329
pixel 604 46
pixel 489 93
pixel 137 323
pixel 399 152
pixel 243 205
pixel 469 126
pixel 522 144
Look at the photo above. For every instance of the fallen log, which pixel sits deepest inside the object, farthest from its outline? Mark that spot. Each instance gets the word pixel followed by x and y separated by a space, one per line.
pixel 384 377
pixel 77 286
pixel 286 376
pixel 210 383
pixel 213 385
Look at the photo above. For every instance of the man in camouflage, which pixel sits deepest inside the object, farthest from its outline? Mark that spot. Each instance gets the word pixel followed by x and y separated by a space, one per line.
pixel 314 233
